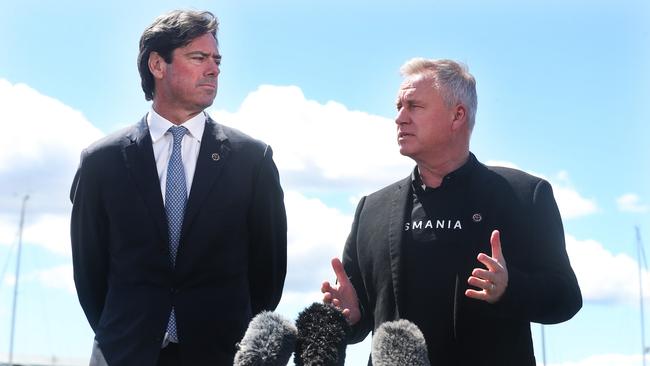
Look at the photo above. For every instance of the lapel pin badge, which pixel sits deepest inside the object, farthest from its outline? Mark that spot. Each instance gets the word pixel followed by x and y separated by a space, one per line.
pixel 216 156
pixel 477 217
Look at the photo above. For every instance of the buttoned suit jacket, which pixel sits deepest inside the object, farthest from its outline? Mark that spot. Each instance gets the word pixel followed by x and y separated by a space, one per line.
pixel 231 261
pixel 542 286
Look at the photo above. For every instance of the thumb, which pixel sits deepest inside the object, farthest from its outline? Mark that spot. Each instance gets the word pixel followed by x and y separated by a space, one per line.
pixel 495 243
pixel 341 276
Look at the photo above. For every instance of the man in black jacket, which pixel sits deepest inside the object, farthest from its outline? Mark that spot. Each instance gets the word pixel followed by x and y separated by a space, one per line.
pixel 432 248
pixel 178 223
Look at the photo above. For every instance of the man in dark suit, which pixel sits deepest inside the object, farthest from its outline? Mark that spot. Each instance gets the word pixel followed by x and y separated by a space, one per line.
pixel 178 223
pixel 418 249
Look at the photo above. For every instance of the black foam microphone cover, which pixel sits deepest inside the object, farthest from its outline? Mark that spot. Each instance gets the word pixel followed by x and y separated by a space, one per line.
pixel 322 336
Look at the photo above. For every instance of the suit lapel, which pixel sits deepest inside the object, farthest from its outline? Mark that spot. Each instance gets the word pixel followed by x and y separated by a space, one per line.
pixel 399 202
pixel 213 154
pixel 139 159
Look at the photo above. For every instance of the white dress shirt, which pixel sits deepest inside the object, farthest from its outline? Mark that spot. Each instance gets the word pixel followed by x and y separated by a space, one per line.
pixel 163 141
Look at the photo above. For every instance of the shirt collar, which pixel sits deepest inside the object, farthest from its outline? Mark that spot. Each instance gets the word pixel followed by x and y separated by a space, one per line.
pixel 456 177
pixel 158 125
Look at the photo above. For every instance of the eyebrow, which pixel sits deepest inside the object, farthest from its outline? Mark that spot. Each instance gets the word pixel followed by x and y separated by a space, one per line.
pixel 204 54
pixel 408 99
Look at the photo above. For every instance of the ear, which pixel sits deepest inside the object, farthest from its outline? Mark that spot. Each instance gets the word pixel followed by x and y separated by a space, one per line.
pixel 157 65
pixel 459 117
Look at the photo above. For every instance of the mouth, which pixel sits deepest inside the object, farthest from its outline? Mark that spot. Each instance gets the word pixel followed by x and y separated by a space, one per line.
pixel 401 135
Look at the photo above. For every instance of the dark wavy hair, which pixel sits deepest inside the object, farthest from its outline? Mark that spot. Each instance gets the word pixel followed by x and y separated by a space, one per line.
pixel 167 33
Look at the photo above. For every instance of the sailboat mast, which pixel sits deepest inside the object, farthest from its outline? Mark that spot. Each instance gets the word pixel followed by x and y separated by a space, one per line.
pixel 13 310
pixel 641 255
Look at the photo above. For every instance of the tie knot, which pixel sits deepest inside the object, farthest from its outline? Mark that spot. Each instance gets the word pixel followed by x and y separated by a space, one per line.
pixel 178 132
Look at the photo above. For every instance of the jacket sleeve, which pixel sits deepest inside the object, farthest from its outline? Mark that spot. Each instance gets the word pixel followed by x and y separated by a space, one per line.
pixel 268 242
pixel 89 239
pixel 360 330
pixel 545 289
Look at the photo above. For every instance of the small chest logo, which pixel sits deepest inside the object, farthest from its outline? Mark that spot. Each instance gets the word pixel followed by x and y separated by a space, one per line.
pixel 477 217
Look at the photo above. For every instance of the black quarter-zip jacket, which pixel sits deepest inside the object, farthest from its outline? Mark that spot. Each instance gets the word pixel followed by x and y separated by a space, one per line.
pixel 411 250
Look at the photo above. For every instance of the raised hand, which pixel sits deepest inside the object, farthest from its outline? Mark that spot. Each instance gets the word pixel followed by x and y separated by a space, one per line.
pixel 493 281
pixel 342 295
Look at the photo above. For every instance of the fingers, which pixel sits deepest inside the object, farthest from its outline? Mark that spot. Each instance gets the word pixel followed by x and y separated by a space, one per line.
pixel 339 271
pixel 489 291
pixel 482 279
pixel 474 294
pixel 489 262
pixel 495 243
pixel 325 287
pixel 342 295
pixel 490 283
pixel 327 290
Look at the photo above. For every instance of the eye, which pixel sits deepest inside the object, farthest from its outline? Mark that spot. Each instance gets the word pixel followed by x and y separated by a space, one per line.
pixel 197 58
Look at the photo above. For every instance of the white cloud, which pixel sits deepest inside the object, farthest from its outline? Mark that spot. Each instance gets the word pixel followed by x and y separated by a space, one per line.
pixel 569 201
pixel 39 159
pixel 39 126
pixel 52 232
pixel 631 202
pixel 316 233
pixel 294 302
pixel 320 145
pixel 603 276
pixel 49 231
pixel 8 229
pixel 60 277
pixel 9 280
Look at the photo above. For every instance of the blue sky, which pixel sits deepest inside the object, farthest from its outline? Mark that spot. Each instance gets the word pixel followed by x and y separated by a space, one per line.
pixel 563 89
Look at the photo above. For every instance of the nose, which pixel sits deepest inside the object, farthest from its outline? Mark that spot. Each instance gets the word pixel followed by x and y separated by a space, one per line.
pixel 402 116
pixel 214 69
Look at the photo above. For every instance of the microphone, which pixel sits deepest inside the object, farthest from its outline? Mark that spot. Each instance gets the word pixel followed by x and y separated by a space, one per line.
pixel 399 342
pixel 322 336
pixel 269 341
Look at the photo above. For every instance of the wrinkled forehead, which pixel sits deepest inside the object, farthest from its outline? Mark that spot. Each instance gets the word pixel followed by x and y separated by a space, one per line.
pixel 415 84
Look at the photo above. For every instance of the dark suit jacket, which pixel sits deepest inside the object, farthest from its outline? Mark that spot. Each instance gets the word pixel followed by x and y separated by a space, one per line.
pixel 542 286
pixel 231 261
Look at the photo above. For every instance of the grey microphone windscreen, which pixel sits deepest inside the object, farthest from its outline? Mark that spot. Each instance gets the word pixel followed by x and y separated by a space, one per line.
pixel 269 341
pixel 401 343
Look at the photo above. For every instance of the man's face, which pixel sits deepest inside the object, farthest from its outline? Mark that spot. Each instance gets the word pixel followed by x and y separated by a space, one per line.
pixel 424 122
pixel 189 83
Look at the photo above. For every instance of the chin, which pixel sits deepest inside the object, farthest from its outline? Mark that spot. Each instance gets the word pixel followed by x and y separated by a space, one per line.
pixel 405 152
pixel 206 104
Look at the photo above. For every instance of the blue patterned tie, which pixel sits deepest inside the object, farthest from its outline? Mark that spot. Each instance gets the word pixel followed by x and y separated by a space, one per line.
pixel 175 199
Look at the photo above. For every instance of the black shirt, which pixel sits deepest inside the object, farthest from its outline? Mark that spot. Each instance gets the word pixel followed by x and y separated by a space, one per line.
pixel 434 246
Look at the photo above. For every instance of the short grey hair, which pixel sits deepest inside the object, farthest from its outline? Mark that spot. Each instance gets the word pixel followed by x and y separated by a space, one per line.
pixel 452 79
